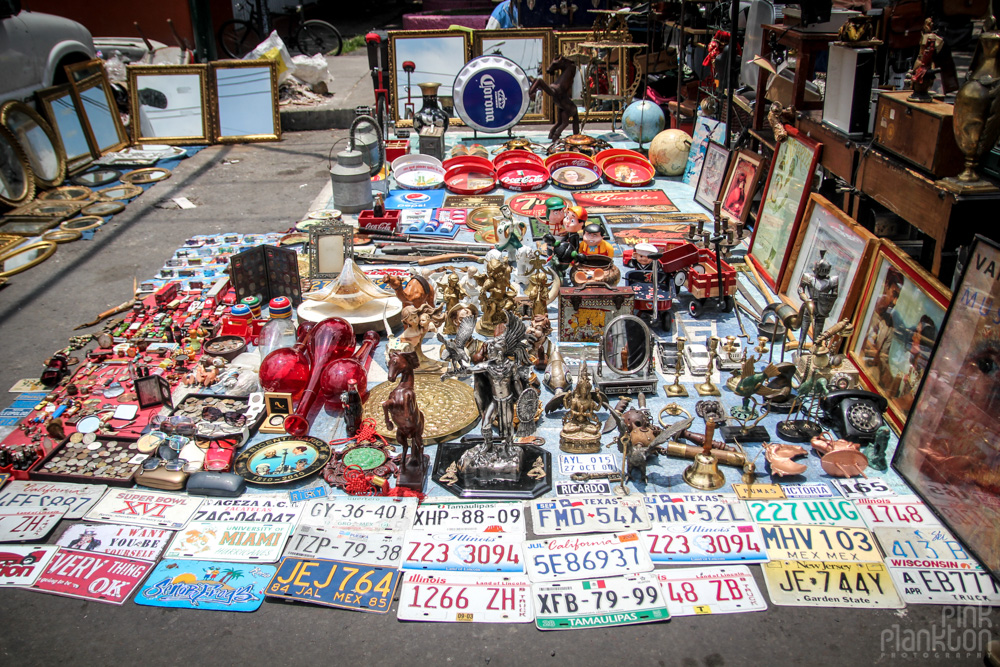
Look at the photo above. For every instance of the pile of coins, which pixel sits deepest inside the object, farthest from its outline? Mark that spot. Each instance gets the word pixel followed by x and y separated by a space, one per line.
pixel 87 455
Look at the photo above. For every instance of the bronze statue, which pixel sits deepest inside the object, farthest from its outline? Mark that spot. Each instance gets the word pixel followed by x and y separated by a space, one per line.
pixel 419 322
pixel 496 296
pixel 402 414
pixel 581 430
pixel 561 93
pixel 451 292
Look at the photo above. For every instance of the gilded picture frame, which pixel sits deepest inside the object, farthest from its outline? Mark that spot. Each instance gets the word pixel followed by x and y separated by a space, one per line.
pixel 444 51
pixel 512 44
pixel 148 124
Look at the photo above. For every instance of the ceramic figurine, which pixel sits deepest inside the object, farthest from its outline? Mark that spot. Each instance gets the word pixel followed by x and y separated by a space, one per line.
pixel 563 250
pixel 881 444
pixel 419 322
pixel 403 415
pixel 353 409
pixel 922 75
pixel 496 297
pixel 418 290
pixel 593 242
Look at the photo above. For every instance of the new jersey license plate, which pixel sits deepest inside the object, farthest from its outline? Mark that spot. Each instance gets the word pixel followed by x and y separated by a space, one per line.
pixel 454 597
pixel 815 584
pixel 724 589
pixel 368 547
pixel 335 584
pixel 705 543
pixel 598 603
pixel 902 511
pixel 669 508
pixel 605 514
pixel 820 543
pixel 463 552
pixel 819 512
pixel 920 585
pixel 486 517
pixel 360 513
pixel 585 556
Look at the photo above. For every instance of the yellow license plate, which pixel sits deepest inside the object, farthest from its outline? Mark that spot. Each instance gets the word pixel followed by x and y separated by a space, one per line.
pixel 814 584
pixel 820 543
pixel 758 491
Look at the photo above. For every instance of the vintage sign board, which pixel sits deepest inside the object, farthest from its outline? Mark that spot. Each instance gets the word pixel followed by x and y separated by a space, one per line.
pixel 263 507
pixel 465 552
pixel 335 584
pixel 824 584
pixel 237 541
pixel 117 540
pixel 585 556
pixel 671 508
pixel 368 547
pixel 207 585
pixel 588 514
pixel 89 576
pixel 371 513
pixel 76 498
pixel 820 543
pixel 455 597
pixel 599 603
pixel 600 202
pixel 22 565
pixel 25 524
pixel 705 543
pixel 819 512
pixel 723 589
pixel 144 508
pixel 488 517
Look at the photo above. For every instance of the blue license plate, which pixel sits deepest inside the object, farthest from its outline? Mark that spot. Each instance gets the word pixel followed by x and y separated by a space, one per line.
pixel 335 584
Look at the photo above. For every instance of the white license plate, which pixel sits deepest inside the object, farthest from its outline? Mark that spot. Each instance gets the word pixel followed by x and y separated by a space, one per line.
pixel 453 597
pixel 593 488
pixel 76 498
pixel 705 543
pixel 462 552
pixel 588 463
pixel 599 603
pixel 22 565
pixel 901 511
pixel 863 488
pixel 367 547
pixel 588 514
pixel 814 584
pixel 919 585
pixel 723 589
pixel 488 517
pixel 818 490
pixel 666 508
pixel 268 508
pixel 820 543
pixel 28 523
pixel 931 547
pixel 360 513
pixel 236 541
pixel 585 556
pixel 144 508
pixel 820 512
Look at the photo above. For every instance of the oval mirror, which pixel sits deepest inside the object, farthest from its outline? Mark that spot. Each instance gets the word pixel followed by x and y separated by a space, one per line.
pixel 23 258
pixel 627 345
pixel 99 176
pixel 17 182
pixel 39 141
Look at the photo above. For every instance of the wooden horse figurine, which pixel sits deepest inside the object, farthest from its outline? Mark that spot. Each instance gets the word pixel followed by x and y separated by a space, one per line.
pixel 560 92
pixel 417 292
pixel 402 413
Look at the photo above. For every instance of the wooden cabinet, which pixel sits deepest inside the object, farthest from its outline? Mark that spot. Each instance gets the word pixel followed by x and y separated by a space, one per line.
pixel 921 134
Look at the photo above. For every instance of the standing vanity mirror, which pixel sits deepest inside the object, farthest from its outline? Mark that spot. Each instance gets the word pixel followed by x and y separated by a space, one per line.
pixel 61 109
pixel 627 355
pixel 38 140
pixel 437 56
pixel 98 109
pixel 17 183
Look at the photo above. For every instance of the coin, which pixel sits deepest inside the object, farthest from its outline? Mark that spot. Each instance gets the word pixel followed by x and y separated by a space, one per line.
pixel 76 437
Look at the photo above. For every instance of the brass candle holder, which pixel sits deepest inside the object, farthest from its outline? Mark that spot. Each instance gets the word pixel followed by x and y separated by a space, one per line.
pixel 677 390
pixel 707 388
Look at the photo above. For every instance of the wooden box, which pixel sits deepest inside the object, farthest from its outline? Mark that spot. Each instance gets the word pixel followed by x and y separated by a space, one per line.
pixel 585 312
pixel 921 134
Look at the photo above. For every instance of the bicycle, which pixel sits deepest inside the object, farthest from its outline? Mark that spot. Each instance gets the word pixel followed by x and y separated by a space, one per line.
pixel 237 37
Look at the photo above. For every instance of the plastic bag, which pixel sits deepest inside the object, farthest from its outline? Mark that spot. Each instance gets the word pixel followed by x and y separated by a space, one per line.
pixel 273 48
pixel 311 69
pixel 350 290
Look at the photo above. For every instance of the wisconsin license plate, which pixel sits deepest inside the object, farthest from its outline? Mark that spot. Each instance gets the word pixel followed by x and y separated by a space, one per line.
pixel 705 543
pixel 454 597
pixel 815 584
pixel 599 603
pixel 463 552
pixel 932 547
pixel 725 589
pixel 823 543
pixel 863 488
pixel 588 514
pixel 694 507
pixel 919 585
pixel 488 517
pixel 902 511
pixel 335 584
pixel 821 512
pixel 368 547
pixel 363 513
pixel 584 556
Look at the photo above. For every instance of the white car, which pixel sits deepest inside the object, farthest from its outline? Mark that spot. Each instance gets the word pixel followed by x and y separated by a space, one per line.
pixel 34 47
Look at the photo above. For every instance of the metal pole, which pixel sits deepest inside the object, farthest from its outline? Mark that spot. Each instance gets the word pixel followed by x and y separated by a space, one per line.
pixel 680 65
pixel 730 61
pixel 201 25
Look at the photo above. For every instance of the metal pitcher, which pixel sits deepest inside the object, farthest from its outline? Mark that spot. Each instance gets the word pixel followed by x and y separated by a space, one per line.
pixel 351 177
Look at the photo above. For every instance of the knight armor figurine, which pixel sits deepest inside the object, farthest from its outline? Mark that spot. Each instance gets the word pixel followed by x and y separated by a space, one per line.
pixel 822 289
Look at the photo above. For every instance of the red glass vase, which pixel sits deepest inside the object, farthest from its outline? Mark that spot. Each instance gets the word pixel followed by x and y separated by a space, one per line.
pixel 332 338
pixel 339 372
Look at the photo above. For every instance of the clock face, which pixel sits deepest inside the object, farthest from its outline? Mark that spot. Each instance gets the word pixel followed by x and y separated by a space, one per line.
pixel 863 416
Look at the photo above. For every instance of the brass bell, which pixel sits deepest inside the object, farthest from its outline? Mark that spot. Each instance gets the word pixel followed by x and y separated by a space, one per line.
pixel 704 473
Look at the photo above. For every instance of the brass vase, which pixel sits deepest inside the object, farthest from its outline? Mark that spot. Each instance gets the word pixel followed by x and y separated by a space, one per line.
pixel 977 114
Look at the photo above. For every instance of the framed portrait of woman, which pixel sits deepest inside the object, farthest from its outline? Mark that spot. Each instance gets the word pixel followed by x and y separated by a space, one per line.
pixel 739 185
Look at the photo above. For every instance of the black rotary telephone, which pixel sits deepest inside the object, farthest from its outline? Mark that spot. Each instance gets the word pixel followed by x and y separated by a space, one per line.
pixel 856 413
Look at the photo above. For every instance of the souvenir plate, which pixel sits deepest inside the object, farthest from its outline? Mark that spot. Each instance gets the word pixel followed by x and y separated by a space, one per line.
pixel 419 176
pixel 599 202
pixel 469 180
pixel 695 508
pixel 820 543
pixel 451 597
pixel 23 524
pixel 368 547
pixel 759 491
pixel 822 512
pixel 517 155
pixel 918 585
pixel 90 576
pixel 705 543
pixel 818 490
pixel 726 589
pixel 599 603
pixel 76 498
pixel 583 556
pixel 587 463
pixel 464 552
pixel 335 584
pixel 21 566
pixel 485 517
pixel 863 488
pixel 129 541
pixel 209 585
pixel 628 171
pixel 931 547
pixel 591 488
pixel 900 511
pixel 282 460
pixel 238 541
pixel 588 514
pixel 267 508
pixel 815 584
pixel 144 508
pixel 360 513
pixel 574 177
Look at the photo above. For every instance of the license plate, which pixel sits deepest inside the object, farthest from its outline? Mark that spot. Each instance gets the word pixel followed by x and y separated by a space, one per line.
pixel 599 603
pixel 22 565
pixel 454 597
pixel 758 491
pixel 820 543
pixel 725 589
pixel 863 488
pixel 144 508
pixel 237 541
pixel 821 512
pixel 918 585
pixel 267 508
pixel 594 488
pixel 28 523
pixel 76 498
pixel 368 547
pixel 89 576
pixel 932 547
pixel 694 507
pixel 901 511
pixel 130 541
pixel 335 584
pixel 807 491
pixel 588 463
pixel 363 513
pixel 816 584
pixel 608 514
pixel 705 543
pixel 462 552
pixel 487 517
pixel 584 556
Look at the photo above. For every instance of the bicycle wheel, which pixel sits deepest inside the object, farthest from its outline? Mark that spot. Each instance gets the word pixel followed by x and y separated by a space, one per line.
pixel 317 36
pixel 237 38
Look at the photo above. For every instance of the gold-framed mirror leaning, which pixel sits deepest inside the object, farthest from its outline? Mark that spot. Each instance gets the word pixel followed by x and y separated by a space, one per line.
pixel 80 72
pixel 245 98
pixel 531 49
pixel 170 103
pixel 99 111
pixel 38 141
pixel 23 258
pixel 598 73
pixel 17 181
pixel 437 56
pixel 60 107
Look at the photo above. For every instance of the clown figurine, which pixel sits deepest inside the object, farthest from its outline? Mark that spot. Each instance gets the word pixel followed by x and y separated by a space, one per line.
pixel 593 243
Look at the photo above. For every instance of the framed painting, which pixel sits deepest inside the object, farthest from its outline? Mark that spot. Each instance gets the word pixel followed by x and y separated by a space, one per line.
pixel 437 57
pixel 785 195
pixel 713 173
pixel 739 185
pixel 948 449
pixel 531 49
pixel 898 321
pixel 705 130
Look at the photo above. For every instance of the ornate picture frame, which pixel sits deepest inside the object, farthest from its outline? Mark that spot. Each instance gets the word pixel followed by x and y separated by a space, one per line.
pixel 329 248
pixel 447 55
pixel 740 184
pixel 137 74
pixel 512 44
pixel 713 174
pixel 221 110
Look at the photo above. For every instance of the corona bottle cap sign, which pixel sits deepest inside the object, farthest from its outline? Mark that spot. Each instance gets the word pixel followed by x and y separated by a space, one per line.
pixel 491 93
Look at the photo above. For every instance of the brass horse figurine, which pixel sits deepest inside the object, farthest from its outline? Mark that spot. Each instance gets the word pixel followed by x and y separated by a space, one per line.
pixel 561 93
pixel 401 413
